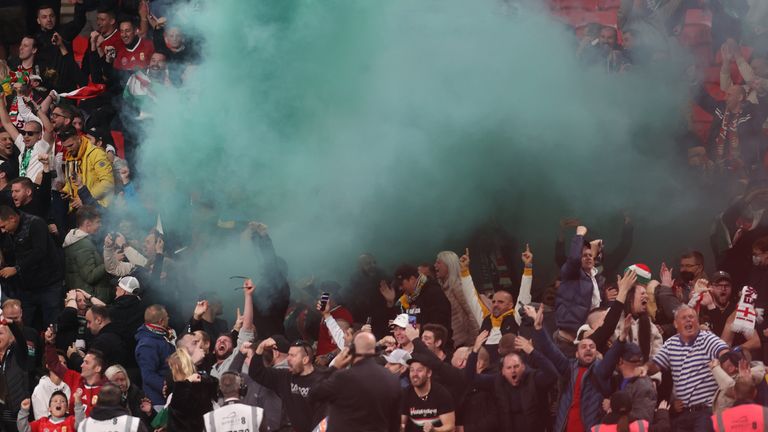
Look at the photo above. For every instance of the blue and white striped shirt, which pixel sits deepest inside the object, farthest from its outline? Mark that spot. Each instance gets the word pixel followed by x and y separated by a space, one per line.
pixel 689 363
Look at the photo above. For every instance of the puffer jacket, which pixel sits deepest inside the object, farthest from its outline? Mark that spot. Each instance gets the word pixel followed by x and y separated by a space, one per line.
pixel 595 383
pixel 96 173
pixel 574 297
pixel 84 266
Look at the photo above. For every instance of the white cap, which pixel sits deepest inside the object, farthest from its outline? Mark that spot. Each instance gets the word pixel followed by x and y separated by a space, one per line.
pixel 398 356
pixel 581 333
pixel 111 148
pixel 128 283
pixel 400 321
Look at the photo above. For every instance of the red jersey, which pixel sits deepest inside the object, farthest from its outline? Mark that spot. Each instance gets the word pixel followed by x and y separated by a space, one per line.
pixel 136 58
pixel 46 425
pixel 113 40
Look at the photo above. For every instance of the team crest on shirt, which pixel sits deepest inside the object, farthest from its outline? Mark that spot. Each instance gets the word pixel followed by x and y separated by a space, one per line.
pixel 141 56
pixel 124 61
pixel 94 399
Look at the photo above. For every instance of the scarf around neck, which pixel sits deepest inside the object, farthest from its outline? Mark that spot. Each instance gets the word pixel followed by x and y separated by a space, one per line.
pixel 406 300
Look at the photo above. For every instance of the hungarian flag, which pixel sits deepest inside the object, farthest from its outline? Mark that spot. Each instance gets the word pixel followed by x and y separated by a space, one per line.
pixel 87 92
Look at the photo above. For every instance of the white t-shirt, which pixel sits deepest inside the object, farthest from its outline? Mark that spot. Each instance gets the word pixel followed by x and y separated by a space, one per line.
pixel 35 167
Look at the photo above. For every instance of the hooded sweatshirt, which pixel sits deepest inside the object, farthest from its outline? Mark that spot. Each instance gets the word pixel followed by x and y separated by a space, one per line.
pixel 41 396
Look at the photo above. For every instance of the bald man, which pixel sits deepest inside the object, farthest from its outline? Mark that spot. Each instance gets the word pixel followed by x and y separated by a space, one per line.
pixel 364 397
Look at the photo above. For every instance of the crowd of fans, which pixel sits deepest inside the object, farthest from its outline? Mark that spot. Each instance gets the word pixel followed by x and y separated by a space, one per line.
pixel 94 335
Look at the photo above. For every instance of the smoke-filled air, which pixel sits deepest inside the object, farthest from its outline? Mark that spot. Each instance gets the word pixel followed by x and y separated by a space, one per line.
pixel 400 127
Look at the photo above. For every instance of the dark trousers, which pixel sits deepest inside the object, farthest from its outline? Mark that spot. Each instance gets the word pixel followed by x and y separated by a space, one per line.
pixel 693 421
pixel 46 300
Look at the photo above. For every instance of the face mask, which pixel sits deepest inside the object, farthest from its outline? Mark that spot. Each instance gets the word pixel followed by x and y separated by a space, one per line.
pixel 686 276
pixel 756 260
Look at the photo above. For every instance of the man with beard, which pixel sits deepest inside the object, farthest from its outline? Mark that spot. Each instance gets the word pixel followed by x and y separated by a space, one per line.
pixel 141 86
pixel 50 29
pixel 588 377
pixel 721 292
pixel 426 406
pixel 292 385
pixel 32 141
pixel 687 355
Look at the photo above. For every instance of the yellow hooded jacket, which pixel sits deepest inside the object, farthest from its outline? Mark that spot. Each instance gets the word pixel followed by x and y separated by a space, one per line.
pixel 95 171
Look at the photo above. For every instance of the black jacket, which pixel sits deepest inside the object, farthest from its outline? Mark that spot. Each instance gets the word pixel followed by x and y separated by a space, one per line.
pixel 127 315
pixel 431 306
pixel 41 199
pixel 109 344
pixel 523 407
pixel 190 401
pixel 365 397
pixel 34 253
pixel 68 31
pixel 14 382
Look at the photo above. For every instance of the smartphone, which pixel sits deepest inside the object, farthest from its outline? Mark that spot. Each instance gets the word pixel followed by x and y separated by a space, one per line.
pixel 324 300
pixel 412 320
pixel 368 321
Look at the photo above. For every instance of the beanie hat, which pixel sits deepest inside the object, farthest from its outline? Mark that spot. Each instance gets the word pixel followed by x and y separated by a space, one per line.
pixel 643 273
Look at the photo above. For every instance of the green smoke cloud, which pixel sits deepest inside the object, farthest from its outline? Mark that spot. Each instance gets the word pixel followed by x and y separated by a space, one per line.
pixel 397 127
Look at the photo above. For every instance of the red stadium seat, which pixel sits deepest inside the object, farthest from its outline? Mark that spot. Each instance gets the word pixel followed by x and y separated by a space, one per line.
pixel 698 16
pixel 607 18
pixel 714 90
pixel 117 137
pixel 703 55
pixel 585 5
pixel 701 129
pixel 608 5
pixel 695 34
pixel 698 115
pixel 79 47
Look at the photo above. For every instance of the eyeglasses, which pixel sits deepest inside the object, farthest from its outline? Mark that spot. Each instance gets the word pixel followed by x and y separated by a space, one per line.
pixel 55 114
pixel 28 133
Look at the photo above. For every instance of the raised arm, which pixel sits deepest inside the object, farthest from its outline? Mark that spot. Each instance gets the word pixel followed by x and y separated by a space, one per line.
pixel 544 344
pixel 248 289
pixel 5 120
pixel 526 281
pixel 572 266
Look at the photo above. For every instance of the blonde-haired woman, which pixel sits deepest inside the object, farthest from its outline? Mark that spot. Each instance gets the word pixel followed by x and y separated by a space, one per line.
pixel 133 399
pixel 192 396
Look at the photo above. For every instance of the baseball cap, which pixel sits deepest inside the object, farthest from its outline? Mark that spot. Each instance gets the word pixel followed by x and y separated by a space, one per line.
pixel 632 353
pixel 399 321
pixel 129 284
pixel 398 356
pixel 281 343
pixel 721 275
pixel 418 358
pixel 67 132
pixel 581 333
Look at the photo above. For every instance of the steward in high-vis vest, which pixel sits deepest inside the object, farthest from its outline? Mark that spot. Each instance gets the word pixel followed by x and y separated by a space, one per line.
pixel 233 416
pixel 744 415
pixel 109 416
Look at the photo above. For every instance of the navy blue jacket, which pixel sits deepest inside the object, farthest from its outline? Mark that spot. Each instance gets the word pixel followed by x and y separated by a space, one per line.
pixel 152 351
pixel 574 298
pixel 595 383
